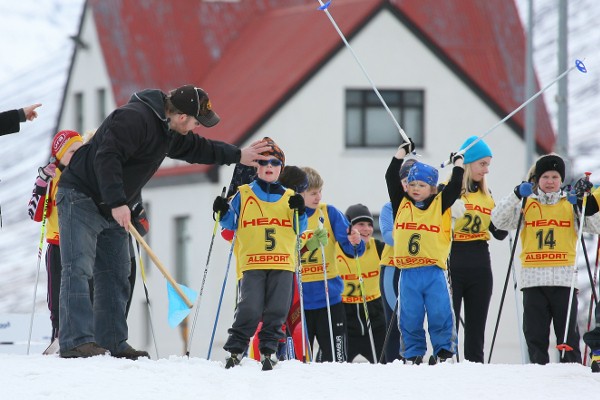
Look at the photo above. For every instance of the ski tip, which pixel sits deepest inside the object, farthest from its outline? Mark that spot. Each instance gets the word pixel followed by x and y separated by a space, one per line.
pixel 580 66
pixel 325 6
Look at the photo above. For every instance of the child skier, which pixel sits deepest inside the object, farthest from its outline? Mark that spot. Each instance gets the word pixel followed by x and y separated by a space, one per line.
pixel 262 213
pixel 422 230
pixel 389 273
pixel 548 240
pixel 359 337
pixel 316 291
pixel 64 145
pixel 470 264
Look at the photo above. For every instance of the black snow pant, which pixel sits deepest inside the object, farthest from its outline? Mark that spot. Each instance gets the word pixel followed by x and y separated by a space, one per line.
pixel 263 295
pixel 541 306
pixel 317 325
pixel 472 282
pixel 359 340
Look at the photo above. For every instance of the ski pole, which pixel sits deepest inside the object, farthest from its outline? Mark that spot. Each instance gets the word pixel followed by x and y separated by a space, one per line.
pixel 143 274
pixel 510 263
pixel 37 275
pixel 333 358
pixel 564 346
pixel 589 322
pixel 210 247
pixel 364 301
pixel 589 271
pixel 324 7
pixel 305 342
pixel 580 67
pixel 524 353
pixel 212 336
pixel 388 332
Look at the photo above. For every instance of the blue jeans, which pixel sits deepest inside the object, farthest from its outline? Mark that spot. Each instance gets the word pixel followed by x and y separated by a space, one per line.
pixel 91 246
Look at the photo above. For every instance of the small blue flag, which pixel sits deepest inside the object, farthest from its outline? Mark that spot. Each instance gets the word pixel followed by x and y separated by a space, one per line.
pixel 178 310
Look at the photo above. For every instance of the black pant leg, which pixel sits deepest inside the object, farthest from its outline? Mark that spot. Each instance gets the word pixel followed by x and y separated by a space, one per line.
pixel 476 303
pixel 559 303
pixel 536 324
pixel 54 269
pixel 320 329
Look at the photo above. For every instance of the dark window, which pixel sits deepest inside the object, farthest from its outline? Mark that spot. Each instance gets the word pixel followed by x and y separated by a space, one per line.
pixel 79 112
pixel 182 248
pixel 368 123
pixel 101 97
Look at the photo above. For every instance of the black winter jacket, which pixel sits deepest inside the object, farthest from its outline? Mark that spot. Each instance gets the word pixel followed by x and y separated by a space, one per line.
pixel 128 148
pixel 9 121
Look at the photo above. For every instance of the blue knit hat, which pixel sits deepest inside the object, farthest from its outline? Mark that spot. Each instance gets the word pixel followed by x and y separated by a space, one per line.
pixel 423 172
pixel 476 152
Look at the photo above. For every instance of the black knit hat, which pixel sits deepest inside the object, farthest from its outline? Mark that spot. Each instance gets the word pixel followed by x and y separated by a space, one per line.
pixel 550 162
pixel 194 101
pixel 294 178
pixel 358 213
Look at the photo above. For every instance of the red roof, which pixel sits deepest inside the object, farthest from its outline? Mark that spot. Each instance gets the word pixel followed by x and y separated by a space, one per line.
pixel 251 57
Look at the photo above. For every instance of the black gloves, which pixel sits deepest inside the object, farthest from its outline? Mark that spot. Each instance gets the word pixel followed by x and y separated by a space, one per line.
pixel 139 219
pixel 409 146
pixel 297 202
pixel 220 206
pixel 455 157
pixel 524 189
pixel 582 186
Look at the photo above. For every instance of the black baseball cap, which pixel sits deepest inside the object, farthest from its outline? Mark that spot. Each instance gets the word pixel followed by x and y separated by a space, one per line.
pixel 194 101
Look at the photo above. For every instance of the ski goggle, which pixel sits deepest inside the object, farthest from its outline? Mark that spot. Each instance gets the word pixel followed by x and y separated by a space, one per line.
pixel 273 161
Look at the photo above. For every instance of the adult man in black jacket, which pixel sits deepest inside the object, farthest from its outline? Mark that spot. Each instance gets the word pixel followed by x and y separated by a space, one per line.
pixel 10 120
pixel 95 194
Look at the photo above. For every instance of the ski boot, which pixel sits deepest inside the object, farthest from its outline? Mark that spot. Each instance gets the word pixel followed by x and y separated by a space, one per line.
pixel 268 361
pixel 417 360
pixel 445 356
pixel 232 361
pixel 596 361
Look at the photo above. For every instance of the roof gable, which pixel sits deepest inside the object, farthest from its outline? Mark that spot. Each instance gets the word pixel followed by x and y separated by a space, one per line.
pixel 485 44
pixel 252 57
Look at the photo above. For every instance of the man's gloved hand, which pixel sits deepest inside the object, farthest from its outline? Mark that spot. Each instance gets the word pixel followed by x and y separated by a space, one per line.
pixel 297 202
pixel 139 219
pixel 318 239
pixel 409 146
pixel 524 189
pixel 45 174
pixel 220 206
pixel 582 186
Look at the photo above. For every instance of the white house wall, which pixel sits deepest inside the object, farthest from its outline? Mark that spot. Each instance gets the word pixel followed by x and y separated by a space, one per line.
pixel 87 76
pixel 310 129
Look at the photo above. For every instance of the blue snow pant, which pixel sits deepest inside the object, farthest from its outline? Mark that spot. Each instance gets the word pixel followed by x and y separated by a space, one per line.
pixel 425 290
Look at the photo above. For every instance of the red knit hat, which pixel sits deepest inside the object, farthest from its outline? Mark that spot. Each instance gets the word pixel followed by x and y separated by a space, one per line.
pixel 62 141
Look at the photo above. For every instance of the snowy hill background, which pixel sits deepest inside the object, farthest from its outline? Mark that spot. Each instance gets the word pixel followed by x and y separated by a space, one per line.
pixel 36 52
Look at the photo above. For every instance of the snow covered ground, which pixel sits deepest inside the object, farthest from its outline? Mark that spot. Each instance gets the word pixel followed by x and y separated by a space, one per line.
pixel 36 53
pixel 39 377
